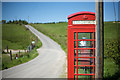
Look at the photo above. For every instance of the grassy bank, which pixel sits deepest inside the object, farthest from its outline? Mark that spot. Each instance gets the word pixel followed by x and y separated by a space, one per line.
pixel 58 32
pixel 111 30
pixel 24 57
pixel 18 37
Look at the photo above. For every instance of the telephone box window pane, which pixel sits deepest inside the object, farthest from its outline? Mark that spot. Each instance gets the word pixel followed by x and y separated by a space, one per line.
pixel 75 70
pixel 87 77
pixel 75 61
pixel 85 44
pixel 74 44
pixel 85 35
pixel 75 36
pixel 85 61
pixel 85 53
pixel 75 77
pixel 85 70
pixel 74 53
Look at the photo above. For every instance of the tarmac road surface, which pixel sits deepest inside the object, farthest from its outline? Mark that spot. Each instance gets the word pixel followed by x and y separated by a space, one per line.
pixel 48 64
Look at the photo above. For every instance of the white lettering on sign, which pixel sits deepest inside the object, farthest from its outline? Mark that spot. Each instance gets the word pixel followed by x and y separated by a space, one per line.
pixel 84 22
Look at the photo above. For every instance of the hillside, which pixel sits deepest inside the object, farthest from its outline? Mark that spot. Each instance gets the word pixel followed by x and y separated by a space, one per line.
pixel 58 32
pixel 16 36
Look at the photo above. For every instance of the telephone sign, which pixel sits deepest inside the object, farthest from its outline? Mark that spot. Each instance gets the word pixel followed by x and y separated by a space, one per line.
pixel 84 22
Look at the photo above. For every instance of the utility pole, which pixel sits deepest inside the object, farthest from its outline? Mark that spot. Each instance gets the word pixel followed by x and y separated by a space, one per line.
pixel 99 60
pixel 114 11
pixel 28 19
pixel 101 40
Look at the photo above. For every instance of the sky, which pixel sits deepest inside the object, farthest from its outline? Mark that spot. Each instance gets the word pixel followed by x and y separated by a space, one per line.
pixel 43 12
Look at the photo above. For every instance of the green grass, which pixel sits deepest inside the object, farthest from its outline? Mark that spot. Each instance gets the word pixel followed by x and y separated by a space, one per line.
pixel 24 57
pixel 110 68
pixel 58 32
pixel 7 63
pixel 111 30
pixel 16 36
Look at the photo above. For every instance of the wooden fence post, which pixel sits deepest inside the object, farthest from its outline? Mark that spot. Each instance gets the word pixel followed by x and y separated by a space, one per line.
pixel 19 53
pixel 11 55
pixel 7 48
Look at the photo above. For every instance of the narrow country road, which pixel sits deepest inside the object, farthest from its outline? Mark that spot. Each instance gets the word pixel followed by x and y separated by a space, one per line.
pixel 48 64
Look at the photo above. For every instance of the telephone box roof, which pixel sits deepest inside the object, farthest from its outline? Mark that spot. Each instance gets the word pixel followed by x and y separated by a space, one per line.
pixel 78 13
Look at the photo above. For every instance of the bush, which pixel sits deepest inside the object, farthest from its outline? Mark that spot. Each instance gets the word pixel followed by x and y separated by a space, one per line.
pixel 111 50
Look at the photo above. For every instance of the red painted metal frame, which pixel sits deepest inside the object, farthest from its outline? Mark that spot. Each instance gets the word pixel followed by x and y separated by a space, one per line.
pixel 79 28
pixel 77 52
pixel 94 54
pixel 80 13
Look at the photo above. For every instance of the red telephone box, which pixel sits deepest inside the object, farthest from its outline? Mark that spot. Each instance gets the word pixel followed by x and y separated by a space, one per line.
pixel 81 45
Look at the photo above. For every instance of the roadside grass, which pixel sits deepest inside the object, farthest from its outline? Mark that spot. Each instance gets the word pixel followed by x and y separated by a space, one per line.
pixel 111 48
pixel 7 63
pixel 110 68
pixel 111 30
pixel 24 57
pixel 16 36
pixel 58 32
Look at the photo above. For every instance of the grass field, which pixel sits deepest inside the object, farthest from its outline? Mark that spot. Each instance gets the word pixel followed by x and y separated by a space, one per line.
pixel 58 32
pixel 24 57
pixel 111 30
pixel 16 36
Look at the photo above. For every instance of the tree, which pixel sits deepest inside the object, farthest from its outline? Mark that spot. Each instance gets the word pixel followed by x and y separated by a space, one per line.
pixel 16 21
pixel 10 22
pixel 24 22
pixel 13 22
pixel 3 21
pixel 20 21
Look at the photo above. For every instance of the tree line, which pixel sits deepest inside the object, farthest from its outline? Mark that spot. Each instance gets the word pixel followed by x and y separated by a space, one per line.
pixel 50 22
pixel 15 22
